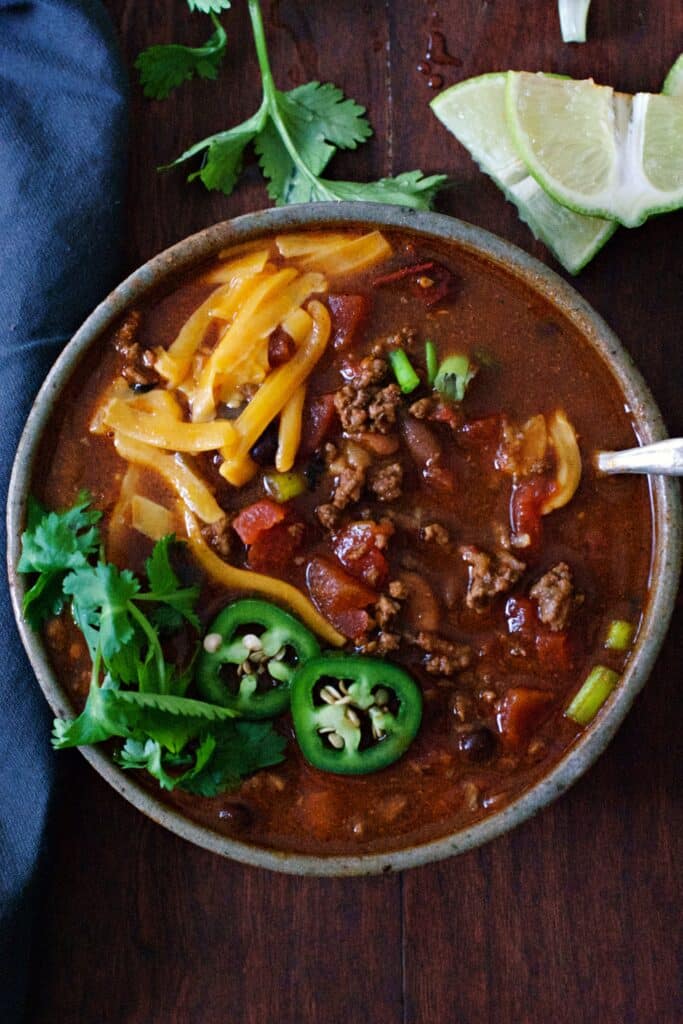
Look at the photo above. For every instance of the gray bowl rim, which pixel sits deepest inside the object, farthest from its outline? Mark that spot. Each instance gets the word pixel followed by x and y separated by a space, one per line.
pixel 665 500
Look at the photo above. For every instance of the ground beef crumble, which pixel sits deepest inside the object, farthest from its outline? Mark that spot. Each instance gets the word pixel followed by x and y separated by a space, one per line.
pixel 138 363
pixel 442 657
pixel 554 596
pixel 385 481
pixel 436 533
pixel 361 404
pixel 489 575
pixel 349 466
pixel 385 612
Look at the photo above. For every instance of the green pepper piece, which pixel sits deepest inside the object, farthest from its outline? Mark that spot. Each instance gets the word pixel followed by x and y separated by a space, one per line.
pixel 250 654
pixel 354 715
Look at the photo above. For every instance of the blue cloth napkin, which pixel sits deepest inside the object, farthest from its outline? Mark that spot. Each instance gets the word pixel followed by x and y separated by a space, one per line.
pixel 62 154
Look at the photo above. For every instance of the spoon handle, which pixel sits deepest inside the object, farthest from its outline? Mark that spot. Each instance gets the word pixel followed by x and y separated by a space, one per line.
pixel 663 457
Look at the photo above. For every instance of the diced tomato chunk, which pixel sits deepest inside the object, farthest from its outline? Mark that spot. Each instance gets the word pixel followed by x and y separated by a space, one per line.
pixel 480 432
pixel 520 712
pixel 254 519
pixel 349 314
pixel 273 549
pixel 554 650
pixel 358 548
pixel 318 421
pixel 339 597
pixel 527 499
pixel 444 412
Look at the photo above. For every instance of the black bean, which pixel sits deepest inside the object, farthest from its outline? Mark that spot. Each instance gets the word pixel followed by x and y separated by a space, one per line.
pixel 142 389
pixel 236 816
pixel 478 744
pixel 263 452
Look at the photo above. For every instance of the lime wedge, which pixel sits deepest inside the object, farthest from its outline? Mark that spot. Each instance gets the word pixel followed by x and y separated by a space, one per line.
pixel 596 151
pixel 474 111
pixel 673 83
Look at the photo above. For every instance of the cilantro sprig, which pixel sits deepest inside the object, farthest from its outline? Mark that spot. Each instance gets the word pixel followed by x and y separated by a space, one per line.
pixel 135 693
pixel 295 134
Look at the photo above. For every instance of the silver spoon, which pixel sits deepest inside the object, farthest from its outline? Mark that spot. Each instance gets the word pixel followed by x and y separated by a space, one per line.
pixel 664 457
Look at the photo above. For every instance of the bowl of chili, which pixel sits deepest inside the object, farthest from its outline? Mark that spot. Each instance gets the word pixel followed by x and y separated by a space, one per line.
pixel 487 659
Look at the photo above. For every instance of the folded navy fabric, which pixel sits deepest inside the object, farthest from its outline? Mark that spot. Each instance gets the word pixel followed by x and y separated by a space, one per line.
pixel 62 152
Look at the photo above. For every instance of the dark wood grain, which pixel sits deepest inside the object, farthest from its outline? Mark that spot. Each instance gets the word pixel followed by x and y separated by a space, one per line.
pixel 575 916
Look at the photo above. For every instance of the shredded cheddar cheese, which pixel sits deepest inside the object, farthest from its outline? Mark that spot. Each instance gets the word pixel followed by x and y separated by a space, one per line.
pixel 150 518
pixel 163 431
pixel 289 433
pixel 336 254
pixel 272 396
pixel 176 472
pixel 243 579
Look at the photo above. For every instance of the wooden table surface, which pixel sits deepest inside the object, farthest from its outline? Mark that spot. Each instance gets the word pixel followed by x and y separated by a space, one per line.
pixel 574 917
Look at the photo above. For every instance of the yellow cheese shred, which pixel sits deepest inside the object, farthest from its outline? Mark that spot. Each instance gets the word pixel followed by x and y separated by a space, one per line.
pixel 118 524
pixel 150 518
pixel 176 472
pixel 163 431
pixel 307 243
pixel 289 433
pixel 243 579
pixel 174 363
pixel 157 401
pixel 343 254
pixel 241 355
pixel 234 270
pixel 272 396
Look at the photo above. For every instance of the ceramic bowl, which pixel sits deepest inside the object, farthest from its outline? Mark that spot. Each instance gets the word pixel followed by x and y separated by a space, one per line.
pixel 666 512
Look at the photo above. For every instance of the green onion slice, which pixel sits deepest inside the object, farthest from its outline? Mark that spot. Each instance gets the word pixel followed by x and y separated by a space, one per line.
pixel 598 685
pixel 455 373
pixel 619 635
pixel 404 372
pixel 432 361
pixel 284 486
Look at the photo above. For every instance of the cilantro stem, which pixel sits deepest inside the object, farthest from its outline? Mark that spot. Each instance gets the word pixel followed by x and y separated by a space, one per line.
pixel 270 98
pixel 261 47
pixel 151 635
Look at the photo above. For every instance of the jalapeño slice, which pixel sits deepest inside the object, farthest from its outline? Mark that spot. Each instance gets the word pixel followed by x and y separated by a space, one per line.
pixel 354 715
pixel 249 656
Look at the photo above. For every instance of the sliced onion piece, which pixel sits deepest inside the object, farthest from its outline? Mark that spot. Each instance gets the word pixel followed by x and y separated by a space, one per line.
pixel 562 437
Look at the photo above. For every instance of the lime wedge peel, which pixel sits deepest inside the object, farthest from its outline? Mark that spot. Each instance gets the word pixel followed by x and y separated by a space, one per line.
pixel 673 83
pixel 474 111
pixel 595 151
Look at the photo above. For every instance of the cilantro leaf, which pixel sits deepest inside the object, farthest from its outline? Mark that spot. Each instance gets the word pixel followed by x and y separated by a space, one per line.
pixel 179 602
pixel 222 155
pixel 209 6
pixel 164 68
pixel 241 749
pixel 151 756
pixel 54 543
pixel 411 189
pixel 330 115
pixel 97 722
pixel 109 711
pixel 101 597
